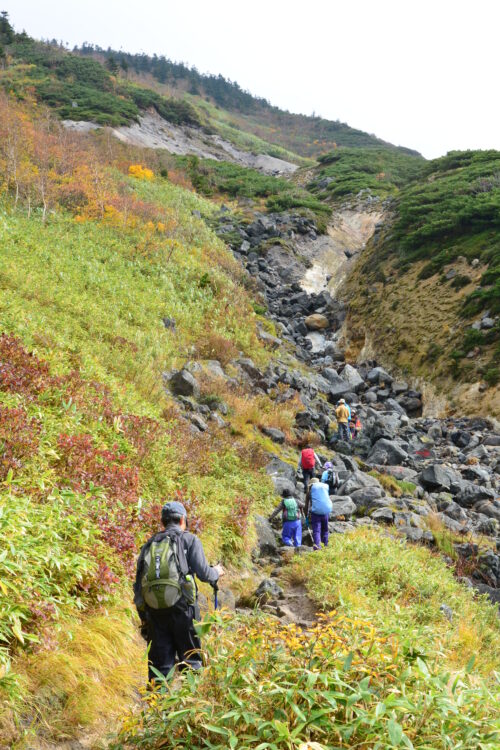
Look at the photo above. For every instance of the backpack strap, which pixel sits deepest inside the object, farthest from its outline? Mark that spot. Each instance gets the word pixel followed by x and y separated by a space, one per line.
pixel 181 559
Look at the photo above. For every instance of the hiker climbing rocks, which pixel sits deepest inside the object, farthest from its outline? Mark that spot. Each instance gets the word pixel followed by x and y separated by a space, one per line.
pixel 342 414
pixel 355 425
pixel 318 506
pixel 307 462
pixel 165 592
pixel 292 510
pixel 330 477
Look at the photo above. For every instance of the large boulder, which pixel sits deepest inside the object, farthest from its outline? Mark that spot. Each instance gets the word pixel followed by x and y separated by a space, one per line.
pixel 472 493
pixel 268 589
pixel 182 383
pixel 378 375
pixel 357 481
pixel 276 435
pixel 387 452
pixel 317 322
pixel 437 478
pixel 342 506
pixel 266 538
pixel 351 376
pixel 366 497
pixel 278 468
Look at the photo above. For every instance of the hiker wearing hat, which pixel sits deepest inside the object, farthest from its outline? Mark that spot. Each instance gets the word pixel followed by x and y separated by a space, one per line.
pixel 165 592
pixel 330 477
pixel 318 507
pixel 291 509
pixel 342 414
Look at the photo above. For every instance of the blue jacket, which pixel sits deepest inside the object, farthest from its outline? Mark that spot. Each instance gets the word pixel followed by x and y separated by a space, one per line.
pixel 320 499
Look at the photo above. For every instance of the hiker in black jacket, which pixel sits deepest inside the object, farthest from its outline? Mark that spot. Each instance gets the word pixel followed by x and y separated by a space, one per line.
pixel 165 592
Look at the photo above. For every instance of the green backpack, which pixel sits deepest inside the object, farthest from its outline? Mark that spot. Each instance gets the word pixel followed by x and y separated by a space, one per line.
pixel 166 577
pixel 292 511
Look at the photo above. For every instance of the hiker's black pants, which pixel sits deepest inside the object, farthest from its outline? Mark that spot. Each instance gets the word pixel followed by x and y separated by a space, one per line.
pixel 307 475
pixel 173 639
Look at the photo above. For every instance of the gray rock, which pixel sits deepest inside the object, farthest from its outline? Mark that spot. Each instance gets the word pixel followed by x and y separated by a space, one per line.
pixel 276 435
pixel 492 593
pixel 492 439
pixel 384 515
pixel 267 590
pixel 437 477
pixel 266 539
pixel 342 506
pixel 182 383
pixel 472 493
pixel 447 612
pixel 248 366
pixel 198 422
pixel 358 481
pixel 379 375
pixel 352 377
pixel 387 452
pixel 366 496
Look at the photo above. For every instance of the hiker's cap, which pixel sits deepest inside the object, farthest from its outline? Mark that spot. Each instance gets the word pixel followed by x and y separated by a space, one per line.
pixel 342 401
pixel 174 508
pixel 328 465
pixel 314 480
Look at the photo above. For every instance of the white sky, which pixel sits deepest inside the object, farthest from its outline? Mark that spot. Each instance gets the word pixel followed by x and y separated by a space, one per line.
pixel 421 74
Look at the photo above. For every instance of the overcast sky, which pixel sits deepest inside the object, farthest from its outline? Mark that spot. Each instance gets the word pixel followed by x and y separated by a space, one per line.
pixel 421 74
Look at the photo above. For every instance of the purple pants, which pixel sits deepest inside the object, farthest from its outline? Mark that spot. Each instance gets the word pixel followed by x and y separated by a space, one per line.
pixel 291 533
pixel 319 525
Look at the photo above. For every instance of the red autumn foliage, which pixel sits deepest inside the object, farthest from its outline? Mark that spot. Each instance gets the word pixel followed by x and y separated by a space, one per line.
pixel 141 432
pixel 85 466
pixel 21 371
pixel 18 438
pixel 240 516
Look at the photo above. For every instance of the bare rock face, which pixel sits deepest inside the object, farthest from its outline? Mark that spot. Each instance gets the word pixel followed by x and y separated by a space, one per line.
pixel 317 322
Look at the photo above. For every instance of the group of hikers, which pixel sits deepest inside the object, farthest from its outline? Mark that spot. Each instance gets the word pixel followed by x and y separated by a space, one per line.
pixel 316 509
pixel 349 424
pixel 165 591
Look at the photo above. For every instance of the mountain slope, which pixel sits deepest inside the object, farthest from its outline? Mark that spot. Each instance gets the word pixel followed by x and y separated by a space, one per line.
pixel 425 291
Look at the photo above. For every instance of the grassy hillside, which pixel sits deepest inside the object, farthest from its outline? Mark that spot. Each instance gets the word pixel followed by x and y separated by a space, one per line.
pixel 383 668
pixel 436 269
pixel 90 443
pixel 78 88
pixel 381 171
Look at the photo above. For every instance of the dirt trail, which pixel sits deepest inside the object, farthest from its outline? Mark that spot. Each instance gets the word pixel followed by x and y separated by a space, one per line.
pixel 333 254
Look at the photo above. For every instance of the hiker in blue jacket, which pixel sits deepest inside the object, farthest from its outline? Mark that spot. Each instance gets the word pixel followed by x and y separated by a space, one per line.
pixel 330 477
pixel 319 505
pixel 292 511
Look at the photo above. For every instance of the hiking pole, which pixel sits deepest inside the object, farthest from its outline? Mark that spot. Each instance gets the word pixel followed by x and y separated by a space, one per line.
pixel 215 587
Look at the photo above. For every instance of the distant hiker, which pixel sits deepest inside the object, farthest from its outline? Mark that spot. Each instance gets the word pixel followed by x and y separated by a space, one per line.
pixel 330 477
pixel 292 510
pixel 355 425
pixel 319 505
pixel 165 592
pixel 342 414
pixel 307 462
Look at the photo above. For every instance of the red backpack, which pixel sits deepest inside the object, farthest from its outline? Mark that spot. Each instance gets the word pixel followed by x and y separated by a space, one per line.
pixel 307 459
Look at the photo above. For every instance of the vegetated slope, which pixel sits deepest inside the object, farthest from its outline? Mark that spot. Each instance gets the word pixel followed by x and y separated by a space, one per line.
pixel 426 291
pixel 107 281
pixel 235 109
pixel 381 172
pixel 78 88
pixel 383 667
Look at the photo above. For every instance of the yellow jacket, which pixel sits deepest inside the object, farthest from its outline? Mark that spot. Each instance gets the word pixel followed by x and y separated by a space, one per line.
pixel 342 414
